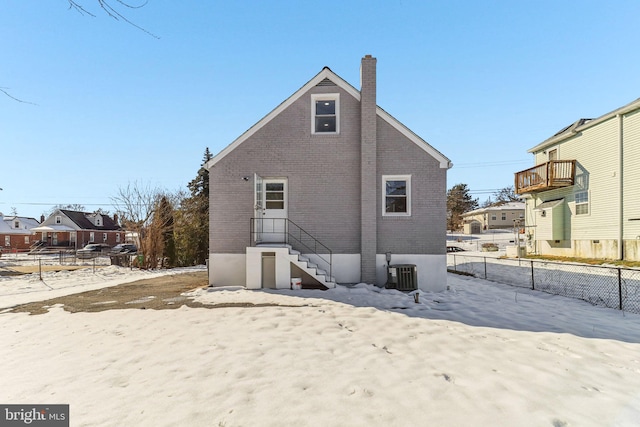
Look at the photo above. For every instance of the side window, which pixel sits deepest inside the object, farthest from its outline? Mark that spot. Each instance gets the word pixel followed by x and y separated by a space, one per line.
pixel 325 110
pixel 582 203
pixel 396 195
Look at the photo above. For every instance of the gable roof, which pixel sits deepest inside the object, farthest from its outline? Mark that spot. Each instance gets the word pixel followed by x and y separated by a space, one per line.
pixel 509 206
pixel 26 223
pixel 582 124
pixel 321 79
pixel 81 220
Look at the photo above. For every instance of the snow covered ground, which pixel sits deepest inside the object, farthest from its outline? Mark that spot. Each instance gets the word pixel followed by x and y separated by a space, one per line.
pixel 478 354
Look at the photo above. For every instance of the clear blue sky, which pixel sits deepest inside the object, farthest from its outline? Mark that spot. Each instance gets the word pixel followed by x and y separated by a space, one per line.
pixel 481 81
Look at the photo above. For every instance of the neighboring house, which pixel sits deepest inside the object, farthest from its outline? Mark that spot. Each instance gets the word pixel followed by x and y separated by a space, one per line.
pixel 583 195
pixel 73 229
pixel 506 215
pixel 16 232
pixel 331 174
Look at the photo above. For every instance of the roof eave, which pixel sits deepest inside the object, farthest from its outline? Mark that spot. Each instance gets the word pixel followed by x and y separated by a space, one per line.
pixel 444 162
pixel 325 73
pixel 632 106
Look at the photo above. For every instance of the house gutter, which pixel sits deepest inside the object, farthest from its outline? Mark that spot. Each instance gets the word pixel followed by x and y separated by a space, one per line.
pixel 620 186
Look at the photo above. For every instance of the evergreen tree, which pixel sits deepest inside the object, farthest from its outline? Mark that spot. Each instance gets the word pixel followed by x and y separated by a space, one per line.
pixel 459 201
pixel 192 220
pixel 164 221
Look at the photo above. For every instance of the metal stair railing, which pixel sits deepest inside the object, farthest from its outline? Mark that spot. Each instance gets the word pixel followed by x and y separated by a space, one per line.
pixel 283 230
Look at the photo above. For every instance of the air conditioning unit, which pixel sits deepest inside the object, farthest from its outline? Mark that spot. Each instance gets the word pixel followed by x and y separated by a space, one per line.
pixel 403 277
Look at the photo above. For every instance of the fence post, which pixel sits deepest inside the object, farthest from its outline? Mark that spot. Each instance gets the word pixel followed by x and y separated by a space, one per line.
pixel 455 264
pixel 620 287
pixel 533 285
pixel 485 268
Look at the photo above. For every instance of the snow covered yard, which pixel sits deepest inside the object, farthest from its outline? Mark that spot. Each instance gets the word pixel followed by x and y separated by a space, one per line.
pixel 479 354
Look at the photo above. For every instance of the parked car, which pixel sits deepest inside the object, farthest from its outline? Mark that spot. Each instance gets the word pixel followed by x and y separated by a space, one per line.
pixel 454 249
pixel 124 248
pixel 92 250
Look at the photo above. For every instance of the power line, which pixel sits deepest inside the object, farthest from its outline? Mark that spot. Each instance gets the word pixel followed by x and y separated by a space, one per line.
pixel 489 164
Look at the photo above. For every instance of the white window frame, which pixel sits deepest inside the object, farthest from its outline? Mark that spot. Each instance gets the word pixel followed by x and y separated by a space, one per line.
pixel 58 219
pixel 324 97
pixel 104 237
pixel 582 203
pixel 407 179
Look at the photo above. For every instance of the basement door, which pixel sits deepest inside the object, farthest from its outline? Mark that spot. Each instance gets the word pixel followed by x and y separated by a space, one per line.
pixel 271 209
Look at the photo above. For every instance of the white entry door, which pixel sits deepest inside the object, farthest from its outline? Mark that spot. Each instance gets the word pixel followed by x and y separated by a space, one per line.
pixel 273 208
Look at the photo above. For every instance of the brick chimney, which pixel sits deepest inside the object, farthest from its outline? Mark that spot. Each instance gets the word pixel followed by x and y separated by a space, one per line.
pixel 368 172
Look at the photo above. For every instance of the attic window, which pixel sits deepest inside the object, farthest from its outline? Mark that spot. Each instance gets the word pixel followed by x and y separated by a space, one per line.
pixel 58 219
pixel 325 109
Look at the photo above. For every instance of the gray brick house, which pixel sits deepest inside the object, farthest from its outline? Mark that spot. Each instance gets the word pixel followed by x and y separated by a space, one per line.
pixel 326 188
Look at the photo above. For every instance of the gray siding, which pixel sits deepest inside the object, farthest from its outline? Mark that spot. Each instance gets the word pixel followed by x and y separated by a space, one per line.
pixel 323 173
pixel 324 183
pixel 424 232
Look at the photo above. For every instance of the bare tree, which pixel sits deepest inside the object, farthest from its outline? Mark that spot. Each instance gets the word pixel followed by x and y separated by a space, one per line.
pixel 4 90
pixel 111 11
pixel 139 209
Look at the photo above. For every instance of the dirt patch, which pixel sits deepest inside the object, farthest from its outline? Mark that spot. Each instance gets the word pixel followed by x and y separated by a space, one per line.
pixel 160 293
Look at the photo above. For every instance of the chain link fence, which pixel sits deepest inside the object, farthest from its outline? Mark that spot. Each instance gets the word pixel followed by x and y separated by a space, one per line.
pixel 613 287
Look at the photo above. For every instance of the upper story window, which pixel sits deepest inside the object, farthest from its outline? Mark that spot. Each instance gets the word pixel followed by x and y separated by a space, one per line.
pixel 58 219
pixel 504 216
pixel 326 113
pixel 396 193
pixel 582 203
pixel 16 224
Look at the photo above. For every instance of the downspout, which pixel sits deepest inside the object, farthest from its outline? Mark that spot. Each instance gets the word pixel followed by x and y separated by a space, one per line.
pixel 620 187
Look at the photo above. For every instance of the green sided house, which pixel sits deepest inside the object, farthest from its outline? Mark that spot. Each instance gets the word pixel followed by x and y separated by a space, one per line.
pixel 328 188
pixel 583 194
